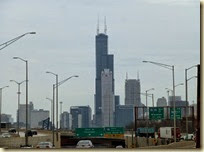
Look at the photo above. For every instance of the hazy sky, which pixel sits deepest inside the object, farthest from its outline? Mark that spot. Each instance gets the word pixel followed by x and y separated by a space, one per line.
pixel 165 31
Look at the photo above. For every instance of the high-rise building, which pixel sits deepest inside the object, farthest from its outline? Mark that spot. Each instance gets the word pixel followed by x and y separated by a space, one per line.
pixel 124 115
pixel 161 102
pixel 108 107
pixel 103 61
pixel 6 118
pixel 66 121
pixel 37 116
pixel 22 113
pixel 132 92
pixel 81 116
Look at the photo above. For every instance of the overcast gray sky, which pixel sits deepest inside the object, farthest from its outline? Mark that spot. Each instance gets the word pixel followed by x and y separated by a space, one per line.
pixel 165 31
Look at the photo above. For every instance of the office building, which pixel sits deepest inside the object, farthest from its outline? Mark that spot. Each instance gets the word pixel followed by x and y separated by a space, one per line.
pixel 66 121
pixel 81 116
pixel 132 92
pixel 103 61
pixel 38 116
pixel 6 118
pixel 124 115
pixel 108 107
pixel 22 113
pixel 161 102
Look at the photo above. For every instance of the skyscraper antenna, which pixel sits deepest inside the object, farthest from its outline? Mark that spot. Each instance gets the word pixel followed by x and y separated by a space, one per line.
pixel 138 75
pixel 105 26
pixel 126 75
pixel 98 25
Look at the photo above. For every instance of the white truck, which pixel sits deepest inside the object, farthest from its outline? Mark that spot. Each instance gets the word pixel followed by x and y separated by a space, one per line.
pixel 168 133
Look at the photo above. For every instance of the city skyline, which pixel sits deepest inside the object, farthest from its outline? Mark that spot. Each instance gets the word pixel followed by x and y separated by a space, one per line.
pixel 65 44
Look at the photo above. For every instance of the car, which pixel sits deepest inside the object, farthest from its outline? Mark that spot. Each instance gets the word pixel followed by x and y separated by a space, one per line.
pixel 6 135
pixel 85 144
pixel 44 145
pixel 29 133
pixel 190 137
pixel 34 132
pixel 119 146
pixel 12 130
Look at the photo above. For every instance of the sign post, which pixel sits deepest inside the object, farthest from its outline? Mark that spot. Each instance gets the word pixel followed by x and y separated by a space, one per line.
pixel 178 113
pixel 156 113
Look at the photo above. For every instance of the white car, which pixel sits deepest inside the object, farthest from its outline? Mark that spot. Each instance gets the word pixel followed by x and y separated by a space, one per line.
pixel 84 144
pixel 6 135
pixel 44 145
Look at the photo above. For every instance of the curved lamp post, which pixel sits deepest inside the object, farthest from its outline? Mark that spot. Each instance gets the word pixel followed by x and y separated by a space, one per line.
pixel 1 103
pixel 170 67
pixel 19 92
pixel 5 44
pixel 26 135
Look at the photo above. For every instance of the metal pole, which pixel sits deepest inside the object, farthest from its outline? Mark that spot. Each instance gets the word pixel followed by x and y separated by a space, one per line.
pixel 174 104
pixel 168 97
pixel 147 118
pixel 60 115
pixel 18 105
pixel 186 90
pixel 57 105
pixel 153 100
pixel 198 108
pixel 53 116
pixel 26 139
pixel 0 107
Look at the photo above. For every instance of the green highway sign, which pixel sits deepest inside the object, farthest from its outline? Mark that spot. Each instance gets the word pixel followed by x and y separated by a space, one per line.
pixel 178 113
pixel 89 132
pixel 113 130
pixel 156 113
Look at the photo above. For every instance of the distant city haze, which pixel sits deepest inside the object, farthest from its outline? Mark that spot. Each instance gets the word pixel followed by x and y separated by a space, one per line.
pixel 165 31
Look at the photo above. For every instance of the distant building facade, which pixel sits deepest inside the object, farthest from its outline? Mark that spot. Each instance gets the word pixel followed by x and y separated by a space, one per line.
pixel 161 102
pixel 22 113
pixel 6 118
pixel 37 116
pixel 124 115
pixel 66 121
pixel 81 116
pixel 132 92
pixel 108 107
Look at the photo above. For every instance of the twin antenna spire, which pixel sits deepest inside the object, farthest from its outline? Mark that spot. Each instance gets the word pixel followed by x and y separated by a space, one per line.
pixel 105 26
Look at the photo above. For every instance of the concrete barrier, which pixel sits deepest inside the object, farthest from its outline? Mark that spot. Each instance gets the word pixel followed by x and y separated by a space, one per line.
pixel 15 142
pixel 142 142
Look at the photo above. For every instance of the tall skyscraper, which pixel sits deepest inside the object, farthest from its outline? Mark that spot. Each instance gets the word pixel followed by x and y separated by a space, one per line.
pixel 108 107
pixel 132 92
pixel 103 61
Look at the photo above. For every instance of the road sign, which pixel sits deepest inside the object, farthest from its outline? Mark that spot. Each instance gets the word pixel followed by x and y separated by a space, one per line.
pixel 156 113
pixel 178 113
pixel 114 136
pixel 113 130
pixel 89 132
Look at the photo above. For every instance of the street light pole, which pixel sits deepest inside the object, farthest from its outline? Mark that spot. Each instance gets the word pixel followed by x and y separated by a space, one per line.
pixel 186 90
pixel 170 67
pixel 26 134
pixel 147 112
pixel 61 114
pixel 5 44
pixel 1 104
pixel 19 92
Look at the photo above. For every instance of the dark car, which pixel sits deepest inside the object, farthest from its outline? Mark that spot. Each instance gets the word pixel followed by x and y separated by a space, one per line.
pixel 34 132
pixel 12 130
pixel 29 133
